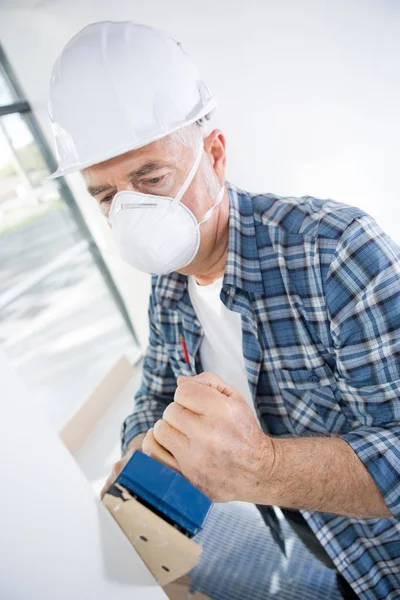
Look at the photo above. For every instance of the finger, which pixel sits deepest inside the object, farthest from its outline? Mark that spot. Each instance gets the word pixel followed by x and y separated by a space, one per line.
pixel 212 381
pixel 107 485
pixel 170 438
pixel 117 468
pixel 181 418
pixel 152 448
pixel 198 398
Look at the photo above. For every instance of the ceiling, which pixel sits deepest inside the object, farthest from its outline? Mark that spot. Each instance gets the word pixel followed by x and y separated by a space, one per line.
pixel 27 4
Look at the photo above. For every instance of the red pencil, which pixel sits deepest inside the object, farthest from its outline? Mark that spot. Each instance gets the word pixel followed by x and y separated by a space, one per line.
pixel 185 350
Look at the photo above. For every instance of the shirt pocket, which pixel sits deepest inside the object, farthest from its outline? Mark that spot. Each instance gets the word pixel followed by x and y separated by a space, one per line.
pixel 177 360
pixel 312 400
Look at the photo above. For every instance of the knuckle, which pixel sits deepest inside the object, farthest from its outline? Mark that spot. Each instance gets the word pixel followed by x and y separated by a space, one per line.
pixel 168 412
pixel 180 391
pixel 147 445
pixel 147 437
pixel 160 429
pixel 205 376
pixel 197 481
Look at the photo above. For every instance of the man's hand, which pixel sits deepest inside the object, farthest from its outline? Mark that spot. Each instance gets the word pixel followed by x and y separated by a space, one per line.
pixel 211 436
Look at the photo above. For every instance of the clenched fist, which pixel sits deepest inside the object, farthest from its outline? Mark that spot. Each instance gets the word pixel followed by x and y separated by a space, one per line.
pixel 211 436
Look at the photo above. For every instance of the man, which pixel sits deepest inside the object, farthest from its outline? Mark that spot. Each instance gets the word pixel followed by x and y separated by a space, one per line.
pixel 272 374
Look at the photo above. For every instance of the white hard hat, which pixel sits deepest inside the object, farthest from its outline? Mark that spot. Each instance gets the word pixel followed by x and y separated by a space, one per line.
pixel 117 87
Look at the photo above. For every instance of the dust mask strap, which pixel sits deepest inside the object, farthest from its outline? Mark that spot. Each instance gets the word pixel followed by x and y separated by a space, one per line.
pixel 210 211
pixel 190 175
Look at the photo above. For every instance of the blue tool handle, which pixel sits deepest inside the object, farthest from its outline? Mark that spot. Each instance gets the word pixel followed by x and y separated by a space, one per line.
pixel 166 492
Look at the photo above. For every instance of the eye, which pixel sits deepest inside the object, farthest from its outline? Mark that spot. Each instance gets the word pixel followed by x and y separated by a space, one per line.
pixel 155 180
pixel 106 199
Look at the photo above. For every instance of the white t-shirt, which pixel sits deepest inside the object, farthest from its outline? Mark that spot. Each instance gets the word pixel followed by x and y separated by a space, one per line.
pixel 221 350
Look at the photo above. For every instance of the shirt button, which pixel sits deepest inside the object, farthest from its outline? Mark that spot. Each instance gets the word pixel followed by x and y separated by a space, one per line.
pixel 314 379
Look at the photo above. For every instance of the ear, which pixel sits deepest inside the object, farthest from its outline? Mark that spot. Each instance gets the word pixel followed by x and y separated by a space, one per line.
pixel 215 148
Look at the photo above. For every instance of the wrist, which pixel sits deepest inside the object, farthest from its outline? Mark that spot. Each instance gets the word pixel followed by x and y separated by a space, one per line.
pixel 136 442
pixel 266 479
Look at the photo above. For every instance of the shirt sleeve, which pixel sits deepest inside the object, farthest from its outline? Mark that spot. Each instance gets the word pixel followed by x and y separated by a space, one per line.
pixel 157 387
pixel 363 302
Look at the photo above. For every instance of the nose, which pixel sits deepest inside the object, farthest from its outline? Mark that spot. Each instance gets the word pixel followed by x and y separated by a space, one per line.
pixel 122 187
pixel 125 187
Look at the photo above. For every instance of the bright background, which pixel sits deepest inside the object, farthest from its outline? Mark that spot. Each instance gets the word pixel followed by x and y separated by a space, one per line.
pixel 309 93
pixel 309 100
pixel 309 90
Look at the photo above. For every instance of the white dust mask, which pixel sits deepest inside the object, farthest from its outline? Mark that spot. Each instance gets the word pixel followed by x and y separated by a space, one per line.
pixel 158 234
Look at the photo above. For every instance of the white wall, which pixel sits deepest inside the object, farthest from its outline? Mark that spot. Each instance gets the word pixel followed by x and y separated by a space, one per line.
pixel 57 539
pixel 309 92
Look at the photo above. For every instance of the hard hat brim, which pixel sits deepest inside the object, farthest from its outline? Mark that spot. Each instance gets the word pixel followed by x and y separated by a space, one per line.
pixel 60 172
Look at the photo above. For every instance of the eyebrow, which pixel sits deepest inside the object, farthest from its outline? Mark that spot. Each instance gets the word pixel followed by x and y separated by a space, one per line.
pixel 143 170
pixel 148 168
pixel 95 191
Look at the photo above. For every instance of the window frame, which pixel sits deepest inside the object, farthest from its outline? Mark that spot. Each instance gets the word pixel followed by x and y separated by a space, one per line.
pixel 22 106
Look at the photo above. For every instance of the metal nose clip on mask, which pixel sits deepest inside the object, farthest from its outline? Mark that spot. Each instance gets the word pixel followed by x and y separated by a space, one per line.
pixel 158 234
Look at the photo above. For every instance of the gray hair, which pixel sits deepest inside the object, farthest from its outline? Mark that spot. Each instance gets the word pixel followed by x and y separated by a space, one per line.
pixel 190 134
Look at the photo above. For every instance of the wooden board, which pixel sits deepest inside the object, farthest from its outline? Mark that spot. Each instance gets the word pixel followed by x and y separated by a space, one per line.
pixel 180 590
pixel 80 425
pixel 167 552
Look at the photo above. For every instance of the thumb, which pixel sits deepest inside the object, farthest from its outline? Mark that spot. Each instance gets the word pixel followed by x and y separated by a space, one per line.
pixel 212 381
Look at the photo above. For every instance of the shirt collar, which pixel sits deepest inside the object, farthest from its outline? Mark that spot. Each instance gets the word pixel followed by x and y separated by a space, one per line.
pixel 242 268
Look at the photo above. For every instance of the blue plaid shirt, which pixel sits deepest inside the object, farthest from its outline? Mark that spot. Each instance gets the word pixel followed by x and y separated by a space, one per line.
pixel 317 285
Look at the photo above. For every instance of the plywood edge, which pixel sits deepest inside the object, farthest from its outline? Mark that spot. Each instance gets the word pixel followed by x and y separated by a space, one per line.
pixel 167 552
pixel 80 425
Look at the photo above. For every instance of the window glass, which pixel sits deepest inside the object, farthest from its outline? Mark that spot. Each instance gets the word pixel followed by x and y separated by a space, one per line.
pixel 60 324
pixel 7 94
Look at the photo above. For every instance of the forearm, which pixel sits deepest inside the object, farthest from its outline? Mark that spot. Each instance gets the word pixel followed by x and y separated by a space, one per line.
pixel 321 474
